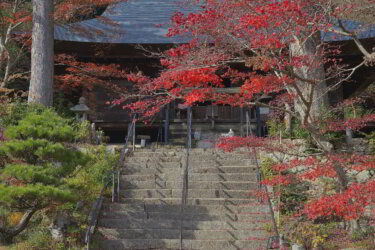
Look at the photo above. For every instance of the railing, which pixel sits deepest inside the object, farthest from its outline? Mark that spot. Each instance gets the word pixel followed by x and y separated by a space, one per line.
pixel 260 178
pixel 185 177
pixel 276 238
pixel 93 216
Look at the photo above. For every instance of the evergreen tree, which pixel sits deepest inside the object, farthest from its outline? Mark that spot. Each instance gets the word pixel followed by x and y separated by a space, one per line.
pixel 37 160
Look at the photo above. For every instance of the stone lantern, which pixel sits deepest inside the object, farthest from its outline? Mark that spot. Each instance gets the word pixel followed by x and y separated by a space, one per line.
pixel 81 110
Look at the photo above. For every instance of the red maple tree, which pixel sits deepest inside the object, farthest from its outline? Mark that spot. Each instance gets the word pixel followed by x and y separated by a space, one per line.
pixel 270 48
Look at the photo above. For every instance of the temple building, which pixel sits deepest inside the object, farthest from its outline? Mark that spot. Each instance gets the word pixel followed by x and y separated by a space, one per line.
pixel 145 23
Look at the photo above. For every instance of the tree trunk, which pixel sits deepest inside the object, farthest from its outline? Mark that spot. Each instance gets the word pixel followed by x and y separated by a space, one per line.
pixel 3 50
pixel 288 120
pixel 41 83
pixel 311 86
pixel 7 235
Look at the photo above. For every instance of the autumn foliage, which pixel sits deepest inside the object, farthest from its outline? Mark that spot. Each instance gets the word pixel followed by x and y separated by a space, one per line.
pixel 261 47
pixel 15 31
pixel 277 49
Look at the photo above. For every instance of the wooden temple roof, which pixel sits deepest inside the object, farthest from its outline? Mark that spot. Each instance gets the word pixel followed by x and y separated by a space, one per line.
pixel 130 22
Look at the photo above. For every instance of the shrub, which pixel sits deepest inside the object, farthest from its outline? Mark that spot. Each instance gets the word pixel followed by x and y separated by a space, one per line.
pixel 16 111
pixel 39 161
pixel 310 235
pixel 39 240
pixel 3 158
pixel 46 124
pixel 266 168
pixel 292 197
pixel 2 137
pixel 83 132
pixel 91 177
pixel 297 132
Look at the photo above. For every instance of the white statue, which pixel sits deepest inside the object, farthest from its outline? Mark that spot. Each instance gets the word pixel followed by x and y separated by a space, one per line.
pixel 229 134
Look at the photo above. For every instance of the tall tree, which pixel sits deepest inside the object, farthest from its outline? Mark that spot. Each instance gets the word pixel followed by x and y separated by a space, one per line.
pixel 42 64
pixel 268 48
pixel 29 178
pixel 15 16
pixel 15 39
pixel 278 44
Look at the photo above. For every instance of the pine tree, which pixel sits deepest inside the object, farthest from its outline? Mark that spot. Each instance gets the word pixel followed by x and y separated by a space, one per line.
pixel 38 158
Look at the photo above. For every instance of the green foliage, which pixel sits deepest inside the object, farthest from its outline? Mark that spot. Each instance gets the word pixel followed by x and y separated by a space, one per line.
pixel 30 174
pixel 39 240
pixel 41 151
pixel 3 157
pixel 292 197
pixel 297 132
pixel 266 168
pixel 16 111
pixel 62 105
pixel 311 235
pixel 274 127
pixel 362 233
pixel 42 125
pixel 32 196
pixel 355 111
pixel 370 137
pixel 39 160
pixel 24 150
pixel 83 132
pixel 91 177
pixel 40 168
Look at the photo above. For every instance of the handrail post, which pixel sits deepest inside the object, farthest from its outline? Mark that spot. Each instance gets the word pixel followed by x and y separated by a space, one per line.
pixel 113 184
pixel 257 111
pixel 185 177
pixel 133 135
pixel 189 113
pixel 259 177
pixel 241 121
pixel 247 122
pixel 118 184
pixel 166 124
pixel 88 242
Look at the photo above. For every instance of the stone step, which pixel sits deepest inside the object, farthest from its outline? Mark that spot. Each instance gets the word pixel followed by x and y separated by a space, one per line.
pixel 186 234
pixel 137 244
pixel 193 150
pixel 160 159
pixel 192 193
pixel 169 148
pixel 193 153
pixel 208 216
pixel 254 208
pixel 221 162
pixel 190 201
pixel 221 211
pixel 133 223
pixel 192 177
pixel 225 169
pixel 154 164
pixel 160 184
pixel 192 164
pixel 192 158
pixel 157 153
pixel 177 168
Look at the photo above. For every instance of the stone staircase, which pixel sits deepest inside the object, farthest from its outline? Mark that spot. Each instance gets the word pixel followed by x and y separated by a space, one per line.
pixel 221 212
